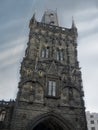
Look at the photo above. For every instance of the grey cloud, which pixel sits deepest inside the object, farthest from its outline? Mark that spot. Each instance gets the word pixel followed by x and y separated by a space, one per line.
pixel 6 56
pixel 88 46
pixel 11 23
pixel 86 34
pixel 90 81
pixel 88 25
pixel 8 82
pixel 10 43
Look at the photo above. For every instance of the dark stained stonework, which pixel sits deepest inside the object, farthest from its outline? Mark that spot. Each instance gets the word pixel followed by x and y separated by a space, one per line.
pixel 6 112
pixel 50 95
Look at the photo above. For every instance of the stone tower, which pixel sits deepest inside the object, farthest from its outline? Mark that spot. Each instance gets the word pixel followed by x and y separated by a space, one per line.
pixel 50 95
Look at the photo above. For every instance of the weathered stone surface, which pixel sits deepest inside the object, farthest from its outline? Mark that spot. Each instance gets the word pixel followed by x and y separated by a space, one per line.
pixel 50 87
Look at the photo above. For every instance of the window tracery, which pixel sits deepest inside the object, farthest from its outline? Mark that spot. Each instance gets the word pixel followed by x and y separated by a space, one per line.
pixel 45 52
pixel 52 88
pixel 60 55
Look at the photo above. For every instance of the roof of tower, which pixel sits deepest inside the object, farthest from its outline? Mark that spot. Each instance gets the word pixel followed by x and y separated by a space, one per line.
pixel 50 17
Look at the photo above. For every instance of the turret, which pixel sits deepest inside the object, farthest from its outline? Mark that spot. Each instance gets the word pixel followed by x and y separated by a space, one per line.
pixel 73 23
pixel 74 28
pixel 33 20
pixel 50 17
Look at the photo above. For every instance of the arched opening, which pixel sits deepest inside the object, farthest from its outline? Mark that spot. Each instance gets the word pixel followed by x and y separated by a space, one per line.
pixel 50 121
pixel 48 124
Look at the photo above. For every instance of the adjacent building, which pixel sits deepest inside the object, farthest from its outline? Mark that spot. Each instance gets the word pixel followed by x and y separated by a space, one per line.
pixel 92 120
pixel 50 95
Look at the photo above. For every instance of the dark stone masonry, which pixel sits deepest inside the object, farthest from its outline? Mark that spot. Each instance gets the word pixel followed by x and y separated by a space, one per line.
pixel 50 95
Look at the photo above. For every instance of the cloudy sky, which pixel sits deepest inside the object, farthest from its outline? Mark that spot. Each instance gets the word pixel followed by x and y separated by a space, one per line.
pixel 14 20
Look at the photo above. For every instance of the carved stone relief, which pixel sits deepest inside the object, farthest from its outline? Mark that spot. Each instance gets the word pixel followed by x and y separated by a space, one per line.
pixel 27 92
pixel 76 96
pixel 64 97
pixel 27 71
pixel 41 73
pixel 39 93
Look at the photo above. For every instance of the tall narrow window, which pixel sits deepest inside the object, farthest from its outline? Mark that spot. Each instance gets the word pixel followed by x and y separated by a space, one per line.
pixel 54 89
pixel 45 53
pixel 57 55
pixel 2 115
pixel 60 55
pixel 92 121
pixel 51 88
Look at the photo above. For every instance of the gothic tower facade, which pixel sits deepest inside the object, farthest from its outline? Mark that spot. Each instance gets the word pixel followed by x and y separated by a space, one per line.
pixel 50 95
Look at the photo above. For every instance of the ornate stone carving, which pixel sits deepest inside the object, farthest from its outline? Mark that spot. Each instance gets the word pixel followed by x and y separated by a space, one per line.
pixel 39 93
pixel 27 92
pixel 64 96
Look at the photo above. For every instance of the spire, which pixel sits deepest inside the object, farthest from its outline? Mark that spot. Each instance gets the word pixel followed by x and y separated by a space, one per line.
pixel 74 28
pixel 73 23
pixel 33 20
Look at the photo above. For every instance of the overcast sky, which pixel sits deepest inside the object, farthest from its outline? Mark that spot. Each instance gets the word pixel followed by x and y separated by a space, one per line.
pixel 14 20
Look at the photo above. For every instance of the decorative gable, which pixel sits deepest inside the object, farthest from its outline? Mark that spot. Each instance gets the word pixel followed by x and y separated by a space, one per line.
pixel 53 69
